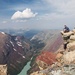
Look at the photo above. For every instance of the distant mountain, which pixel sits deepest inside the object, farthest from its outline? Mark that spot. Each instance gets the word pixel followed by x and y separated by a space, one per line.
pixel 15 51
pixel 47 40
pixel 29 34
pixel 48 37
pixel 22 32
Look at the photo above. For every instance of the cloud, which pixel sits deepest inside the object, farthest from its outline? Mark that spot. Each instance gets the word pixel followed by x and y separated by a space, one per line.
pixel 62 12
pixel 63 6
pixel 4 22
pixel 27 13
pixel 20 20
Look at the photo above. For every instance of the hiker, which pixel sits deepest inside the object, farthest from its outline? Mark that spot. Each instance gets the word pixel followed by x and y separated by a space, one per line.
pixel 66 29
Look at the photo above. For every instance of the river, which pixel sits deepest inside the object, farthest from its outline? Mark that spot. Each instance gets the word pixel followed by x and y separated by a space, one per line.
pixel 25 69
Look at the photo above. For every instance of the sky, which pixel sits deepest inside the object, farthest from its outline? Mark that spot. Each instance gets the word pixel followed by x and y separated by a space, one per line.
pixel 37 14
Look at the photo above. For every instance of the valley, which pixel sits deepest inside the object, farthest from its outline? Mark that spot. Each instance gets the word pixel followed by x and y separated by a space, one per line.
pixel 32 45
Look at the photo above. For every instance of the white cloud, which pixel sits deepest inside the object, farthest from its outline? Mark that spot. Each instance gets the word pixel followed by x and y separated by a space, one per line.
pixel 61 12
pixel 55 14
pixel 27 13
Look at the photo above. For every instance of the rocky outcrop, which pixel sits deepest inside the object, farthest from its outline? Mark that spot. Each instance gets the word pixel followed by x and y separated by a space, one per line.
pixel 3 69
pixel 65 59
pixel 15 51
pixel 66 70
pixel 45 59
pixel 69 57
pixel 69 39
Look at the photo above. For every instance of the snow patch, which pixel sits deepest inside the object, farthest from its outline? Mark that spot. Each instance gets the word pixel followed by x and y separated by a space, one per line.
pixel 3 33
pixel 14 49
pixel 33 38
pixel 20 54
pixel 19 44
pixel 23 56
pixel 12 43
pixel 7 45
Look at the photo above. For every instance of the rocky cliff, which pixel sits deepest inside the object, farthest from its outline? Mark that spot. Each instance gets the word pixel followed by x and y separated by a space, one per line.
pixel 45 41
pixel 3 69
pixel 15 51
pixel 45 59
pixel 61 62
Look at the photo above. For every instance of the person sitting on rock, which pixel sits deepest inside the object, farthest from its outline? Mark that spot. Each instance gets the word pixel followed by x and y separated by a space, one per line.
pixel 66 29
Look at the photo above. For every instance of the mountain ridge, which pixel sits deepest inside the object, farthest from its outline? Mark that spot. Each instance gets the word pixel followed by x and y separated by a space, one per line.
pixel 15 51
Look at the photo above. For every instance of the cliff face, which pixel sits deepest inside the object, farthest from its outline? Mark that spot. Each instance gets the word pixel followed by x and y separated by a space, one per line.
pixel 45 59
pixel 51 38
pixel 3 69
pixel 65 59
pixel 15 51
pixel 52 42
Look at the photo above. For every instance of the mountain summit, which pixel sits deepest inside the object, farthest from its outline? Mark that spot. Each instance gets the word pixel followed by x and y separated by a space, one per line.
pixel 61 62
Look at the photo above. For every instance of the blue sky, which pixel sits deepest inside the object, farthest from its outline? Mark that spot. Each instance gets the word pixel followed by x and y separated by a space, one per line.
pixel 37 14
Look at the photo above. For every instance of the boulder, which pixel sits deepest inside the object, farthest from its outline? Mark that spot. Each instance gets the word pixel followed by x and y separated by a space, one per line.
pixel 73 31
pixel 67 33
pixel 69 57
pixel 70 41
pixel 59 56
pixel 42 65
pixel 70 44
pixel 72 48
pixel 72 37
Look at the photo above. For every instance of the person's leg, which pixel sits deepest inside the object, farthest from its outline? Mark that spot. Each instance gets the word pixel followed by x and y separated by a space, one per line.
pixel 65 46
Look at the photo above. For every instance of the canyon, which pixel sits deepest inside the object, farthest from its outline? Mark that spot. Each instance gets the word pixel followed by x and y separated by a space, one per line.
pixel 15 51
pixel 46 48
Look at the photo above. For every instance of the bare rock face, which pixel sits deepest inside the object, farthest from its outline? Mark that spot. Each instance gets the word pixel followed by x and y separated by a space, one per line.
pixel 15 51
pixel 69 57
pixel 3 69
pixel 46 59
